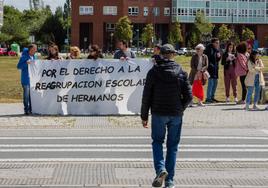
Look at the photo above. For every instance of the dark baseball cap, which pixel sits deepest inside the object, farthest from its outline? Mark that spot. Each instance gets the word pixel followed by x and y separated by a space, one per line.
pixel 167 49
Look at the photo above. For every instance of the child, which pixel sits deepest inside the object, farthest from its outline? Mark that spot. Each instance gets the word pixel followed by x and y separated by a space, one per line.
pixel 254 79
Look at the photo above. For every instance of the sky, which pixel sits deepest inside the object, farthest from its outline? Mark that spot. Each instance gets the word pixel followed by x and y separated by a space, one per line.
pixel 24 4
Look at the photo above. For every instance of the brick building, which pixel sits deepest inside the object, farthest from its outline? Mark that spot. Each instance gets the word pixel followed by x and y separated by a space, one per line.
pixel 93 21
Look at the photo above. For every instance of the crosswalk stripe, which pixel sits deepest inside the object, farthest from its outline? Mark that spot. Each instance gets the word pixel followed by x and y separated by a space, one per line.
pixel 134 138
pixel 129 146
pixel 130 159
pixel 126 150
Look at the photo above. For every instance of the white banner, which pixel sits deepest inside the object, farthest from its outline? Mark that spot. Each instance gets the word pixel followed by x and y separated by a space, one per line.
pixel 87 87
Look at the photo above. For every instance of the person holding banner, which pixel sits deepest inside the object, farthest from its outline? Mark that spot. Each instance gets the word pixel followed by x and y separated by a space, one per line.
pixel 53 53
pixel 123 53
pixel 167 93
pixel 95 52
pixel 27 57
pixel 74 53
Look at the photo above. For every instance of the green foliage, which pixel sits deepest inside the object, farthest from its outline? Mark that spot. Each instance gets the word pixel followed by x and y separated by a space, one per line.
pixel 148 34
pixel 53 30
pixel 123 29
pixel 202 28
pixel 247 34
pixel 225 33
pixel 175 35
pixel 14 27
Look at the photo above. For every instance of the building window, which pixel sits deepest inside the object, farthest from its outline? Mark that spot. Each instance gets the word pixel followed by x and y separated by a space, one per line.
pixel 86 10
pixel 174 11
pixel 145 11
pixel 156 11
pixel 166 11
pixel 110 27
pixel 133 11
pixel 110 10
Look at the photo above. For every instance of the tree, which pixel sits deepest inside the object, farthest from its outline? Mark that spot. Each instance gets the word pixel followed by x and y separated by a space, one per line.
pixel 175 35
pixel 53 30
pixel 14 27
pixel 148 34
pixel 123 29
pixel 202 29
pixel 224 34
pixel 247 34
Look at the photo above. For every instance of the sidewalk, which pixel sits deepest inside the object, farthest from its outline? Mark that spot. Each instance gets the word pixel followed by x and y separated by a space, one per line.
pixel 222 146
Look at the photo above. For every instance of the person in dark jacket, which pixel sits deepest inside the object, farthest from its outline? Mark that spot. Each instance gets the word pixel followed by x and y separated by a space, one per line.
pixel 214 56
pixel 166 93
pixel 156 57
pixel 27 57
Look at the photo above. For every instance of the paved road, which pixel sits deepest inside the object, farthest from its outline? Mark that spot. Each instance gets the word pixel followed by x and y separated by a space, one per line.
pixel 100 152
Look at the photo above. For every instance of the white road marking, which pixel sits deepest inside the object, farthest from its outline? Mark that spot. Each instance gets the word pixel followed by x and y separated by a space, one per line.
pixel 128 146
pixel 132 160
pixel 134 138
pixel 127 150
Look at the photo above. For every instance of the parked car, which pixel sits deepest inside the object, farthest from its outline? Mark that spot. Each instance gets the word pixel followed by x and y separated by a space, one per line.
pixel 182 51
pixel 3 52
pixel 263 51
pixel 12 53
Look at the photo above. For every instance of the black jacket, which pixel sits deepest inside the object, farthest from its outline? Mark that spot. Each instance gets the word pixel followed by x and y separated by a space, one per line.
pixel 213 61
pixel 167 91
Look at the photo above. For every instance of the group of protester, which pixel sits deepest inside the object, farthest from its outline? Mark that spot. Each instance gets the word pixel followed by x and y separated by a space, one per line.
pixel 239 62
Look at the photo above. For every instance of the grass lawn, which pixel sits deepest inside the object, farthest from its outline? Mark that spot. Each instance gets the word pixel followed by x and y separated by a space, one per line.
pixel 11 91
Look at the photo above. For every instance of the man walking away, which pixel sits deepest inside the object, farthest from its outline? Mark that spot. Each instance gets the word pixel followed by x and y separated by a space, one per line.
pixel 26 58
pixel 167 93
pixel 214 56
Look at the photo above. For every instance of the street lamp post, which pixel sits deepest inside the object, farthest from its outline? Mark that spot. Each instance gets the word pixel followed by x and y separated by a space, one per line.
pixel 85 41
pixel 112 34
pixel 138 39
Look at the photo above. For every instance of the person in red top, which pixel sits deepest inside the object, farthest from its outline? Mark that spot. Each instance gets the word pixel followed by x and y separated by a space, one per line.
pixel 241 68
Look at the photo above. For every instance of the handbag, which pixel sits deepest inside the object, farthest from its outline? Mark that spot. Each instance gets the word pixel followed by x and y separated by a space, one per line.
pixel 198 90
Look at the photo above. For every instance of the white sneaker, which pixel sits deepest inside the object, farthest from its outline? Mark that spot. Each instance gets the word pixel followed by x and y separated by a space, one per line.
pixel 227 99
pixel 236 100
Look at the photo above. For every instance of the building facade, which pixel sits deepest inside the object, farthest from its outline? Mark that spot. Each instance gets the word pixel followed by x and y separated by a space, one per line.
pixel 93 21
pixel 238 13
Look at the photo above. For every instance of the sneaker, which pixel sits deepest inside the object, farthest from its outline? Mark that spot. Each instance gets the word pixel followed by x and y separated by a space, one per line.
pixel 215 100
pixel 159 179
pixel 227 99
pixel 241 102
pixel 236 100
pixel 255 107
pixel 200 104
pixel 246 107
pixel 169 184
pixel 208 101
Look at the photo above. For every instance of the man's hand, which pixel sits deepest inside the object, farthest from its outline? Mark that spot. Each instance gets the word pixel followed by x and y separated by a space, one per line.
pixel 145 124
pixel 28 62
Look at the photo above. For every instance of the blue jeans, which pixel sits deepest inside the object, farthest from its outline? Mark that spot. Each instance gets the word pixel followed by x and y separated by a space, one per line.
pixel 161 124
pixel 27 99
pixel 257 91
pixel 211 90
